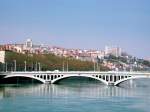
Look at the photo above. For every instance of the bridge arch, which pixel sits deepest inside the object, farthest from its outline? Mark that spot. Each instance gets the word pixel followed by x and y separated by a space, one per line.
pixel 67 76
pixel 129 78
pixel 26 76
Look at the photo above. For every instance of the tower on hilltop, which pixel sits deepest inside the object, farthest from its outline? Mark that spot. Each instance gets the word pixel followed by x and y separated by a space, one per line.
pixel 28 43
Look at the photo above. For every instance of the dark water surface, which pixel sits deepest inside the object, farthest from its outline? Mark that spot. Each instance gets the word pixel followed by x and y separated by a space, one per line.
pixel 76 96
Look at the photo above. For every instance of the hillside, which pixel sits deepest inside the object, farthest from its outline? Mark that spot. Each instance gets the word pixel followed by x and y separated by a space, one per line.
pixel 130 62
pixel 47 62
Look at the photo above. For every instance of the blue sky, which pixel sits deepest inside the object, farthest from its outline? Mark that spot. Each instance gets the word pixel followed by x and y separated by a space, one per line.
pixel 89 24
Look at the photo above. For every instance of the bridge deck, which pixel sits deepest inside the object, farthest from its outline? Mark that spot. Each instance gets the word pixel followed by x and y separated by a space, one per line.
pixel 107 77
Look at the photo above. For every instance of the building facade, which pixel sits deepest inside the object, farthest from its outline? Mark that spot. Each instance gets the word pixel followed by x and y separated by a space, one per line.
pixel 2 56
pixel 116 51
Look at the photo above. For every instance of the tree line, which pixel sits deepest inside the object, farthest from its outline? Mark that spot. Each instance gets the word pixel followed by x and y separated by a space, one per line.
pixel 45 62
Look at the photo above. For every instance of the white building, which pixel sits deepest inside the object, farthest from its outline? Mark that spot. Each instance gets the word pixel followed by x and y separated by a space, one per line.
pixel 2 56
pixel 116 51
pixel 18 49
pixel 28 44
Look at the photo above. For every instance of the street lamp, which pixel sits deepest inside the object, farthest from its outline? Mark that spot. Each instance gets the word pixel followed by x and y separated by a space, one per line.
pixel 6 66
pixel 97 66
pixel 67 65
pixel 39 66
pixel 63 66
pixel 25 66
pixel 94 65
pixel 14 65
pixel 36 66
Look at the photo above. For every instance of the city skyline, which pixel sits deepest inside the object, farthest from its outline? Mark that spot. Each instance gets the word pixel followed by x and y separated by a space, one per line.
pixel 78 24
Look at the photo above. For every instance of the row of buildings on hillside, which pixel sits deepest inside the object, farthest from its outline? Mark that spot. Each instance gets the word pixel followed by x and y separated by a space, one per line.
pixel 81 54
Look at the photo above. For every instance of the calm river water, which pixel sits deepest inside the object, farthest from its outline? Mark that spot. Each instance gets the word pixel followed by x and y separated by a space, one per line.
pixel 76 96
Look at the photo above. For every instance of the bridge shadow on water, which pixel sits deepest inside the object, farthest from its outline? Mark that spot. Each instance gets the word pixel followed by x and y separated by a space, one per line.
pixel 19 80
pixel 68 81
pixel 78 81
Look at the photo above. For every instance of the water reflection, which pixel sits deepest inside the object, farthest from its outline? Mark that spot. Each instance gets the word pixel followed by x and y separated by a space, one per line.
pixel 90 91
pixel 87 90
pixel 76 97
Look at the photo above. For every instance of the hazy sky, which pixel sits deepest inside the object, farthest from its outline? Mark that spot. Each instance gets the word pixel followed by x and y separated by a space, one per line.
pixel 89 24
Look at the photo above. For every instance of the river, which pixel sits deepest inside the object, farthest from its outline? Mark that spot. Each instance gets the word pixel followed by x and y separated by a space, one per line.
pixel 76 96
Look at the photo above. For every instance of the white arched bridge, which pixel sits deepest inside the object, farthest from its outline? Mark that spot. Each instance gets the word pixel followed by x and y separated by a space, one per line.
pixel 108 78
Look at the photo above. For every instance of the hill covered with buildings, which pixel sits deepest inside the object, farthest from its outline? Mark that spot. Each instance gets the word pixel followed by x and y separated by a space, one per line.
pixel 52 58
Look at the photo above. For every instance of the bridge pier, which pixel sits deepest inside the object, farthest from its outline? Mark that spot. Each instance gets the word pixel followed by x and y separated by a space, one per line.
pixel 47 82
pixel 111 84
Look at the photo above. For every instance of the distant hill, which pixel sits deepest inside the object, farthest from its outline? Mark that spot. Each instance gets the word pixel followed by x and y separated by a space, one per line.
pixel 47 62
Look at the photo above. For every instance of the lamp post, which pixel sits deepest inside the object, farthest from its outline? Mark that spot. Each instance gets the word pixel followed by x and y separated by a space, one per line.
pixel 67 65
pixel 63 66
pixel 14 65
pixel 97 66
pixel 6 66
pixel 39 66
pixel 94 65
pixel 36 66
pixel 25 66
